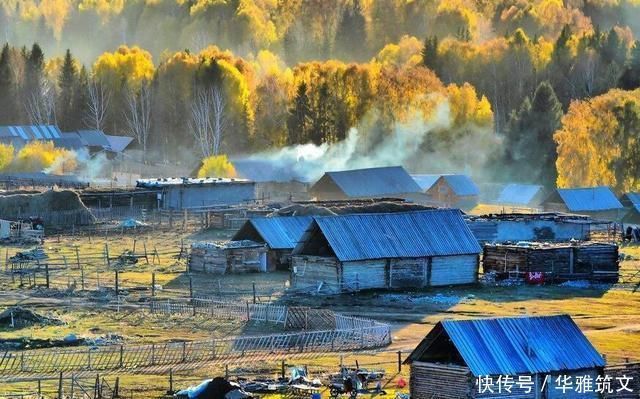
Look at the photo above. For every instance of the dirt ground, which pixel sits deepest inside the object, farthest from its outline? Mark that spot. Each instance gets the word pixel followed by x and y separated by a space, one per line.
pixel 608 314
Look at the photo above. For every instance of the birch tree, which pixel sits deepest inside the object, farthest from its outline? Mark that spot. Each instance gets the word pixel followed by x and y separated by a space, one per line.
pixel 138 114
pixel 208 119
pixel 98 100
pixel 40 104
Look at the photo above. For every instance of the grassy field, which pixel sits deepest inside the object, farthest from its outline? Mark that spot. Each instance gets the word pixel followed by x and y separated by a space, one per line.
pixel 609 315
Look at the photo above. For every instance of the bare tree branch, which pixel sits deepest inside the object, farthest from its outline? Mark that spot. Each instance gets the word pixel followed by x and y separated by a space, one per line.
pixel 40 104
pixel 138 114
pixel 97 105
pixel 208 120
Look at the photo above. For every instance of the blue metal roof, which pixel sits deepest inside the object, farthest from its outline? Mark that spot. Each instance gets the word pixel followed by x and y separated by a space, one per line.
pixel 372 182
pixel 31 132
pixel 519 194
pixel 396 235
pixel 635 200
pixel 589 199
pixel 518 345
pixel 278 232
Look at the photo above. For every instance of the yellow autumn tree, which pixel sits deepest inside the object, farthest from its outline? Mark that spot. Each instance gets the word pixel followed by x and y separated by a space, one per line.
pixel 127 64
pixel 6 155
pixel 38 156
pixel 592 142
pixel 217 166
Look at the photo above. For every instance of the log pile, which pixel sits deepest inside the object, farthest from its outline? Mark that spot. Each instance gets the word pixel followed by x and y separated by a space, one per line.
pixel 631 370
pixel 595 261
pixel 222 257
pixel 208 258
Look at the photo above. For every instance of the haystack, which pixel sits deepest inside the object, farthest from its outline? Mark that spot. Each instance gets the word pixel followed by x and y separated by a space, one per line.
pixel 58 208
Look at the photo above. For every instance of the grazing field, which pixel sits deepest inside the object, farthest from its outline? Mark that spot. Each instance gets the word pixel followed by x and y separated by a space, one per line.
pixel 609 314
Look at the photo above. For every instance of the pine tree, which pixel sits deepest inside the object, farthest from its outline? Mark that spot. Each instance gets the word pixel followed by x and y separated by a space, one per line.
pixel 429 53
pixel 299 115
pixel 67 83
pixel 351 36
pixel 7 88
pixel 530 146
pixel 630 78
pixel 80 99
pixel 322 123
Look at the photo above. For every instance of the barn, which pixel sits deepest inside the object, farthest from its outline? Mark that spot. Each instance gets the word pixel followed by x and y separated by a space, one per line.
pixel 185 193
pixel 450 190
pixel 597 202
pixel 386 250
pixel 631 203
pixel 457 355
pixel 556 262
pixel 518 195
pixel 279 234
pixel 381 182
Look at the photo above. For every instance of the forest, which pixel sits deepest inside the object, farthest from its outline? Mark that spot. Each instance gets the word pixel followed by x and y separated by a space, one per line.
pixel 542 91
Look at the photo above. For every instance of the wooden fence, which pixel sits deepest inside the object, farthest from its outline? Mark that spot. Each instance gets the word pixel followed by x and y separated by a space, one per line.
pixel 213 351
pixel 222 309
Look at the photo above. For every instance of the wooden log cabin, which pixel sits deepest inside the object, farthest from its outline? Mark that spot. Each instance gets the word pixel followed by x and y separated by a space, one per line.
pixel 557 262
pixel 449 362
pixel 386 251
pixel 279 234
pixel 229 257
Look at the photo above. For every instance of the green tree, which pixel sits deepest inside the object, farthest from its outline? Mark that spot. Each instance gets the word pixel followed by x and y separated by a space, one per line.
pixel 429 53
pixel 298 121
pixel 351 36
pixel 531 150
pixel 630 78
pixel 66 83
pixel 80 99
pixel 7 88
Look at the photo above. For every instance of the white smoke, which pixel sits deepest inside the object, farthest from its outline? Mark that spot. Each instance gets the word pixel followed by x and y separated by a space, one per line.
pixel 404 146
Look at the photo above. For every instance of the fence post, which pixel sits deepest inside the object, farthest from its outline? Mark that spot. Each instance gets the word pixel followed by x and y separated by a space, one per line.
pixel 184 351
pixel 39 389
pixel 46 271
pixel 117 283
pixel 78 257
pixel 60 391
pixel 170 382
pixel 282 372
pixel 82 276
pixel 254 292
pixel 121 356
pixel 153 284
pixel 106 254
pixel 399 361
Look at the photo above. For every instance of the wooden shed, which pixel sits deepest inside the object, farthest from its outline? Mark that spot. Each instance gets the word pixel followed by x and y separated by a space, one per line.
pixel 229 257
pixel 279 234
pixel 597 202
pixel 386 250
pixel 450 190
pixel 454 358
pixel 558 262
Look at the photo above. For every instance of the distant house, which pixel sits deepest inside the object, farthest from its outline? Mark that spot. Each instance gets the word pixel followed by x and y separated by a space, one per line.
pixel 597 202
pixel 521 195
pixel 91 140
pixel 450 360
pixel 382 182
pixel 274 182
pixel 386 250
pixel 457 191
pixel 631 203
pixel 184 193
pixel 280 234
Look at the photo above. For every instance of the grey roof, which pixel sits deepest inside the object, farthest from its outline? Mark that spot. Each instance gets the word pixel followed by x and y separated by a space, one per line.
pixel 520 194
pixel 264 170
pixel 425 181
pixel 370 182
pixel 94 138
pixel 185 181
pixel 352 237
pixel 118 143
pixel 278 232
pixel 589 199
pixel 69 142
pixel 461 185
pixel 516 345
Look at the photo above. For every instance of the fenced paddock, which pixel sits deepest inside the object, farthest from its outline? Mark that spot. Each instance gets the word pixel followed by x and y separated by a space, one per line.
pixel 214 351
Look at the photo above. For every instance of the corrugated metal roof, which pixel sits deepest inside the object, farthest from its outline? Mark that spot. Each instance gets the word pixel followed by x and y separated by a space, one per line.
pixel 634 198
pixel 94 138
pixel 517 345
pixel 264 170
pixel 397 235
pixel 118 143
pixel 372 182
pixel 278 232
pixel 589 199
pixel 461 184
pixel 519 194
pixel 185 181
pixel 425 181
pixel 31 132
